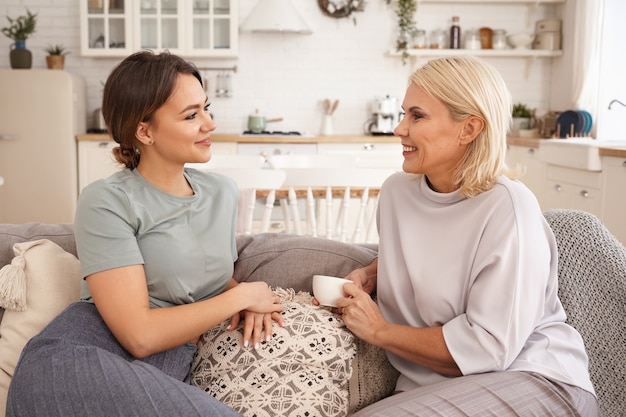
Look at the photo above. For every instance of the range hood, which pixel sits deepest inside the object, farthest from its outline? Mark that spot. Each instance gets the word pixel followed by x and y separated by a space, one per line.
pixel 275 16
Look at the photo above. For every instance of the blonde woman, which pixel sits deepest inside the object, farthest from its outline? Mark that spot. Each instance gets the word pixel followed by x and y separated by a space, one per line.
pixel 466 279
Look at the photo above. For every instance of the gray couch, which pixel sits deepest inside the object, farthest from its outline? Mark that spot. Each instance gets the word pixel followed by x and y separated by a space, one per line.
pixel 592 279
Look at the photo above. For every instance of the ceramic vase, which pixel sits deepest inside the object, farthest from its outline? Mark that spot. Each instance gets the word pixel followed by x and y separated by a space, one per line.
pixel 20 57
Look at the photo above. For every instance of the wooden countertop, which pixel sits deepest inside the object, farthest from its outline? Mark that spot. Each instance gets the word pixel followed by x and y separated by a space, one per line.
pixel 511 140
pixel 534 143
pixel 618 152
pixel 522 141
pixel 100 137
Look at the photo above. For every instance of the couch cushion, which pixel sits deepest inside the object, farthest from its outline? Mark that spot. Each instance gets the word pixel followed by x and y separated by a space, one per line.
pixel 52 283
pixel 312 366
pixel 10 234
pixel 290 261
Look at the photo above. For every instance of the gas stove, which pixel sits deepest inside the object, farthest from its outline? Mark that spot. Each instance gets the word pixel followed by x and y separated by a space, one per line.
pixel 278 133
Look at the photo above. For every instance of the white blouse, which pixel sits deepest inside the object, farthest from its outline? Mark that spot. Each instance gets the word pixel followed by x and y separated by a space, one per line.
pixel 486 269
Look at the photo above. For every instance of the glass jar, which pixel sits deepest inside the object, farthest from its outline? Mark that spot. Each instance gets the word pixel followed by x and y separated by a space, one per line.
pixel 471 40
pixel 438 39
pixel 419 39
pixel 498 39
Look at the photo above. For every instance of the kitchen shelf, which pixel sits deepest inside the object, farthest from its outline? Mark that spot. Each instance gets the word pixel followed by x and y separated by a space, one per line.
pixel 495 53
pixel 529 54
pixel 529 2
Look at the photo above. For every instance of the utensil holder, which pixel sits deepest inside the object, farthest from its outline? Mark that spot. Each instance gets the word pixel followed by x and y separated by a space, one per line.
pixel 327 125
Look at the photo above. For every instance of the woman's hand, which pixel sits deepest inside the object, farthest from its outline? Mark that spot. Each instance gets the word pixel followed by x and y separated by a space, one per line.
pixel 360 313
pixel 364 278
pixel 260 315
pixel 254 325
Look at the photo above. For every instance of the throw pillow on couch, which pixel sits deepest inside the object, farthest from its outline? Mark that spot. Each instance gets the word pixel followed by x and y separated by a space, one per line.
pixel 52 283
pixel 312 366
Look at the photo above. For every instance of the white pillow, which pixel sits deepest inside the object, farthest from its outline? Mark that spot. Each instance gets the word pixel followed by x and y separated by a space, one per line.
pixel 52 283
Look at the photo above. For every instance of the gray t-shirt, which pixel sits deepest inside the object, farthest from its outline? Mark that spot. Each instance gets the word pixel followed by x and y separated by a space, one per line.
pixel 186 244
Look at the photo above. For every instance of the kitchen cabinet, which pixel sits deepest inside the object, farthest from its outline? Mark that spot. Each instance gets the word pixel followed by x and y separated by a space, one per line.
pixel 358 148
pixel 613 196
pixel 95 161
pixel 535 170
pixel 368 154
pixel 106 28
pixel 115 28
pixel 576 189
pixel 278 148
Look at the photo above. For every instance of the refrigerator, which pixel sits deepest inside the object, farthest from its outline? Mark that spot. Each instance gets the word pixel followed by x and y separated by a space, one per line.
pixel 41 112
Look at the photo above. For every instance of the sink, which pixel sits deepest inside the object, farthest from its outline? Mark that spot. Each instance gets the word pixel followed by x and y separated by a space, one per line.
pixel 579 153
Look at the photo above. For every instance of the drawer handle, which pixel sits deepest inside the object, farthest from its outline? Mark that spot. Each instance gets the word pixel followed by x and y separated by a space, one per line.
pixel 584 193
pixel 8 137
pixel 558 187
pixel 531 151
pixel 368 146
pixel 624 164
pixel 103 144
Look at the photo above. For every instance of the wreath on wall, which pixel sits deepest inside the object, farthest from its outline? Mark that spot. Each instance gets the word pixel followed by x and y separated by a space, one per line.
pixel 405 10
pixel 341 8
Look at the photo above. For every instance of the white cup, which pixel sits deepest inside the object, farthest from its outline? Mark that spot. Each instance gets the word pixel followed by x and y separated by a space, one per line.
pixel 327 290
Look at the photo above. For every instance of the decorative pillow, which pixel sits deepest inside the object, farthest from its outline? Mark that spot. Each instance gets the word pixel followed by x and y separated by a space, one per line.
pixel 290 261
pixel 52 283
pixel 311 366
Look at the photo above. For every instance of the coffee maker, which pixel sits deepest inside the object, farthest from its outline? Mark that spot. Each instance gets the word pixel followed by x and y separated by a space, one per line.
pixel 385 116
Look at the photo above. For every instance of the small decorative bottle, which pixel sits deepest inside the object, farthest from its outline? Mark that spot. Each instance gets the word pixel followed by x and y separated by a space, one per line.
pixel 455 34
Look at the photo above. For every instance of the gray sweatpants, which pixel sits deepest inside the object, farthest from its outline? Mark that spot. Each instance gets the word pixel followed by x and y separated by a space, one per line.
pixel 76 367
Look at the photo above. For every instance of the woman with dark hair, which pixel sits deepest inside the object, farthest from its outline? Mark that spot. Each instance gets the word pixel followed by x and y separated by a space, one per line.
pixel 156 242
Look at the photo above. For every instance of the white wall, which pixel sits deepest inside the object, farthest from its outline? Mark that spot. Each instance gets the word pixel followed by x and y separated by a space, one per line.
pixel 290 75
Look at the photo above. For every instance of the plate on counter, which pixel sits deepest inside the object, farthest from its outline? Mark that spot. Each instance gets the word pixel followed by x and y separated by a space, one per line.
pixel 588 122
pixel 570 123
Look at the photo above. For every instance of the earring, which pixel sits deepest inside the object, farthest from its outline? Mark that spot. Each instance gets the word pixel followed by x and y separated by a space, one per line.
pixel 150 142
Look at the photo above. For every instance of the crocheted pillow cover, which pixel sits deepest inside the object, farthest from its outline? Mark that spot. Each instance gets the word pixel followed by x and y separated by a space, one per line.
pixel 312 366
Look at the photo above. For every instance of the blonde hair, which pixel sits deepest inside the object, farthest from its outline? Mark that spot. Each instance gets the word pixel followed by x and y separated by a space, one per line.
pixel 468 86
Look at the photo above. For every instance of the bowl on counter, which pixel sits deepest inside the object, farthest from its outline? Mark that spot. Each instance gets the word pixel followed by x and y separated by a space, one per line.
pixel 520 40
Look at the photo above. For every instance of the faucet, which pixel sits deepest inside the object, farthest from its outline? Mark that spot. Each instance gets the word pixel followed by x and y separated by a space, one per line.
pixel 615 101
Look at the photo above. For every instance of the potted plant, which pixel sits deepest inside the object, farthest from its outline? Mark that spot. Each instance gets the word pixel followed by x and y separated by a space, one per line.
pixel 19 30
pixel 405 10
pixel 522 116
pixel 56 56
